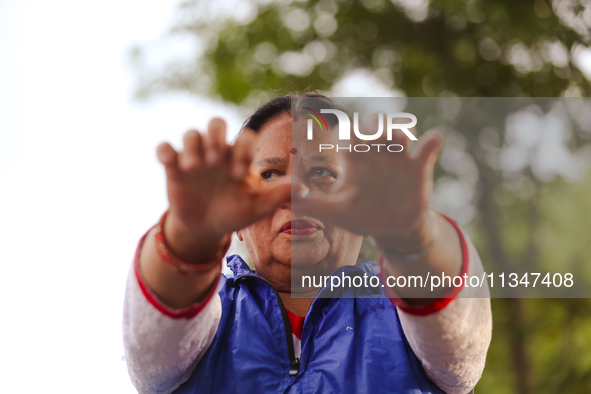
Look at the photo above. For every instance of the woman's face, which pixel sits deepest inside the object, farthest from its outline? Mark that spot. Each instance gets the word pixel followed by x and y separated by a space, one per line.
pixel 289 243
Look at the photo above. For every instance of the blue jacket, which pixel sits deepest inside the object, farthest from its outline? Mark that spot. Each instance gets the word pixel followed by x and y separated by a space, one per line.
pixel 349 345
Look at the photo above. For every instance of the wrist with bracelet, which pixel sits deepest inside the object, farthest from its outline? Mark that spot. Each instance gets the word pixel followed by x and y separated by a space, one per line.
pixel 183 267
pixel 414 255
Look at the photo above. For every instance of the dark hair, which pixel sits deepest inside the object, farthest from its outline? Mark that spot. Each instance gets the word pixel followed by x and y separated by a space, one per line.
pixel 284 104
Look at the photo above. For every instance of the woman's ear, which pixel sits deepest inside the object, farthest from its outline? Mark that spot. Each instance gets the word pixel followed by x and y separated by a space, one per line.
pixel 239 235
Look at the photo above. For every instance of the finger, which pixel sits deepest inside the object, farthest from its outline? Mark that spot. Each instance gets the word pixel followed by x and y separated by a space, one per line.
pixel 242 152
pixel 192 155
pixel 400 138
pixel 362 148
pixel 272 197
pixel 374 123
pixel 215 144
pixel 428 148
pixel 169 158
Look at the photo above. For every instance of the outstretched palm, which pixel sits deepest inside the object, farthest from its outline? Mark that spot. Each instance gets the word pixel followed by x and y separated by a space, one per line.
pixel 210 189
pixel 381 194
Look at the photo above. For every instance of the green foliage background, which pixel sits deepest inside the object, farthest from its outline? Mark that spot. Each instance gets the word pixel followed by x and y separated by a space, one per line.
pixel 247 51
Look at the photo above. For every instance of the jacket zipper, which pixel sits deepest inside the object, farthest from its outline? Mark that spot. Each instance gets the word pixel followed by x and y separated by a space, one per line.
pixel 294 361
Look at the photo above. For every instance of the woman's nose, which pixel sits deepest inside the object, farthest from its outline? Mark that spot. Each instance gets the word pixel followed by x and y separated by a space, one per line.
pixel 298 188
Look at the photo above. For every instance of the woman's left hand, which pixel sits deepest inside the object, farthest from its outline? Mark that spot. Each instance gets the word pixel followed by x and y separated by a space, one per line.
pixel 383 194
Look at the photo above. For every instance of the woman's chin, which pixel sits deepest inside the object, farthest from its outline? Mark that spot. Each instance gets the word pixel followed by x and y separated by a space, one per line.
pixel 303 256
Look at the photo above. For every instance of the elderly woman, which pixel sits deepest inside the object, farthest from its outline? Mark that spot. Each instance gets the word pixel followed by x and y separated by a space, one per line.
pixel 300 212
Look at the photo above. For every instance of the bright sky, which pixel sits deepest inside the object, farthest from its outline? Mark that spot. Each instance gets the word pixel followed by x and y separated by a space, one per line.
pixel 79 184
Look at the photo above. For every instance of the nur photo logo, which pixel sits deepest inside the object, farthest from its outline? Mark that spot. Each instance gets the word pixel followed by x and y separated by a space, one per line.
pixel 344 129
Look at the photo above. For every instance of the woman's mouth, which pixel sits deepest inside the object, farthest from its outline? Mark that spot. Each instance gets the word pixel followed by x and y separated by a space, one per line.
pixel 299 227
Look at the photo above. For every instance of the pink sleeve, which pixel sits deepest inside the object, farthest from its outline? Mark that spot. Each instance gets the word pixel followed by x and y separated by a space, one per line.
pixel 440 303
pixel 451 336
pixel 163 345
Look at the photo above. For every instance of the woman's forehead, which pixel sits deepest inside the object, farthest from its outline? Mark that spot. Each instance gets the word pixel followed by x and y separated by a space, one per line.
pixel 283 133
pixel 274 138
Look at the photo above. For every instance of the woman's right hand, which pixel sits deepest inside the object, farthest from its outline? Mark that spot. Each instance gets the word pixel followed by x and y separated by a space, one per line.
pixel 212 192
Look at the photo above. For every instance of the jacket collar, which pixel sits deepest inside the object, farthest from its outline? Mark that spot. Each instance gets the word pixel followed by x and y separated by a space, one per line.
pixel 239 267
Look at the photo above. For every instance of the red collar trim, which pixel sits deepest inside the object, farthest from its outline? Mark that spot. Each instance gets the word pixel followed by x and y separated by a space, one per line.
pixel 296 322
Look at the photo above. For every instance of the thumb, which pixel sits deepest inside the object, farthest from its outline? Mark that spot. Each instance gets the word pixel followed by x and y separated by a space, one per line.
pixel 428 148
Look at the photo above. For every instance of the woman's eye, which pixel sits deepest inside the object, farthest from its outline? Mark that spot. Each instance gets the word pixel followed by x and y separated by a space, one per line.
pixel 321 172
pixel 269 175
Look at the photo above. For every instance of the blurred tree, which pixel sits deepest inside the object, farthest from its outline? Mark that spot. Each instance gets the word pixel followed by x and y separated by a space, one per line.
pixel 457 47
pixel 242 51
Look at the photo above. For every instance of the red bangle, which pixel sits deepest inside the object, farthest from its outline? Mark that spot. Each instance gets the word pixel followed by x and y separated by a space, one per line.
pixel 166 255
